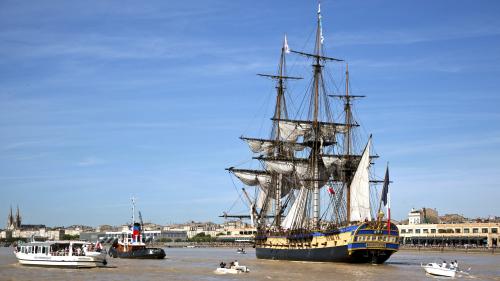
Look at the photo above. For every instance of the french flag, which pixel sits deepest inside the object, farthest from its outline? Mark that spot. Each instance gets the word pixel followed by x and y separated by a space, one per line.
pixel 386 199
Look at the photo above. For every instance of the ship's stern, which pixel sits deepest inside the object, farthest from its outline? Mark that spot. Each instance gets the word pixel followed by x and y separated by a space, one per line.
pixel 373 243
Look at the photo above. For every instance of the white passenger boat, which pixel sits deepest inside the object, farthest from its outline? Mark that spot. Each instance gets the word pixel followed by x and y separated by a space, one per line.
pixel 76 254
pixel 438 270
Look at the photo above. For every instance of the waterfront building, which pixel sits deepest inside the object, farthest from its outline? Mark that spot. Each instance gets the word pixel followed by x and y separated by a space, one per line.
pixel 463 234
pixel 424 215
pixel 195 228
pixel 150 235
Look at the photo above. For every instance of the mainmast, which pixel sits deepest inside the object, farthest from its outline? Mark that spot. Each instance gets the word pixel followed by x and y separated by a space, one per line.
pixel 317 140
pixel 349 121
pixel 315 149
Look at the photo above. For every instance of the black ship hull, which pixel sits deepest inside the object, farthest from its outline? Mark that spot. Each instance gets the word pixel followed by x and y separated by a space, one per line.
pixel 329 254
pixel 145 253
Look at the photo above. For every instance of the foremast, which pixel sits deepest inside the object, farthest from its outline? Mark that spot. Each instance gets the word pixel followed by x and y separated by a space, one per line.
pixel 270 182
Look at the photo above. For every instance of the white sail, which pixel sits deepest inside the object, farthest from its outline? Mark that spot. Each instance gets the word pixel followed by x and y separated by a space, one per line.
pixel 296 212
pixel 248 177
pixel 260 146
pixel 265 181
pixel 360 188
pixel 305 176
pixel 261 197
pixel 290 130
pixel 330 160
pixel 279 166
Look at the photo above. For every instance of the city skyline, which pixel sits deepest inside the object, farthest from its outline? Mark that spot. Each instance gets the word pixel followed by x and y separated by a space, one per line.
pixel 100 102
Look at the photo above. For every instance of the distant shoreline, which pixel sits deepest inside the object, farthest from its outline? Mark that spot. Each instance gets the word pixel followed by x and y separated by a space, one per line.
pixel 491 251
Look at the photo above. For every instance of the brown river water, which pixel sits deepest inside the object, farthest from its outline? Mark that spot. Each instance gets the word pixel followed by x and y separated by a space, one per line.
pixel 199 264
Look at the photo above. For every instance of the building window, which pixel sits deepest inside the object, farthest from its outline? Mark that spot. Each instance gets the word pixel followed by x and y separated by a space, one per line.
pixel 426 231
pixel 410 230
pixel 466 230
pixel 457 230
pixel 417 230
pixel 475 230
pixel 484 230
pixel 494 230
pixel 433 231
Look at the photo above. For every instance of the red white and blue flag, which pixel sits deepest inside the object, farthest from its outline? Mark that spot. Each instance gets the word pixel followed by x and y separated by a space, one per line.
pixel 330 189
pixel 386 199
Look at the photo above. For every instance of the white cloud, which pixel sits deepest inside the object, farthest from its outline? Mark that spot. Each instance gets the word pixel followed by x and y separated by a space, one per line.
pixel 90 161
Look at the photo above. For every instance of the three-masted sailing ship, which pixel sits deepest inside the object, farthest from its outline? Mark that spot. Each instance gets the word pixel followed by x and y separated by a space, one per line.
pixel 313 194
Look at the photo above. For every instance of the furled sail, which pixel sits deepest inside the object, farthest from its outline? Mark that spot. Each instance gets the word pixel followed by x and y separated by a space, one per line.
pixel 248 177
pixel 278 166
pixel 260 145
pixel 360 188
pixel 266 147
pixel 298 170
pixel 332 160
pixel 290 130
pixel 297 211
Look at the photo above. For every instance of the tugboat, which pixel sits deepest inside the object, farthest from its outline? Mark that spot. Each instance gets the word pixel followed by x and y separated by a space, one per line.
pixel 131 243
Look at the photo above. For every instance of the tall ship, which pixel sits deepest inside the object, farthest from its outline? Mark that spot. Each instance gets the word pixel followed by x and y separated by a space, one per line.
pixel 315 194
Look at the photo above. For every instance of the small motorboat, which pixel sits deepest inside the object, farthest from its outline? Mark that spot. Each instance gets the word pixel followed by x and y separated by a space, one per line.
pixel 233 270
pixel 241 251
pixel 439 270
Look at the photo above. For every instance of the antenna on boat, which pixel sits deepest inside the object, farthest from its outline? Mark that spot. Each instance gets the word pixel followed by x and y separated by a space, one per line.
pixel 133 210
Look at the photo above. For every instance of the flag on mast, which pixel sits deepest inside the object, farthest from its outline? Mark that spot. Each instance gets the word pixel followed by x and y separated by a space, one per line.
pixel 386 199
pixel 320 26
pixel 388 214
pixel 285 46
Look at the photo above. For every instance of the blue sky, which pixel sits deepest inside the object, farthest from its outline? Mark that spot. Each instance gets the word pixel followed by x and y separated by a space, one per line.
pixel 102 100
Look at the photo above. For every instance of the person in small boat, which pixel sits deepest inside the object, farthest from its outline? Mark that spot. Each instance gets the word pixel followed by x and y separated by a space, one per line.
pixel 236 263
pixel 222 264
pixel 231 264
pixel 444 264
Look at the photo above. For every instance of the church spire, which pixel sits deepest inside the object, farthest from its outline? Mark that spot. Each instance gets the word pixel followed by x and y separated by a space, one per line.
pixel 10 219
pixel 18 218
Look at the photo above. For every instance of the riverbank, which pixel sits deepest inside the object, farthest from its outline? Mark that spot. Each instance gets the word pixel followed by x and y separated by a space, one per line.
pixel 492 251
